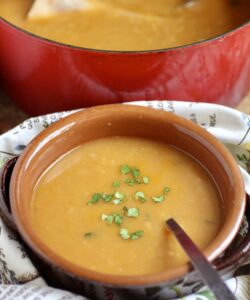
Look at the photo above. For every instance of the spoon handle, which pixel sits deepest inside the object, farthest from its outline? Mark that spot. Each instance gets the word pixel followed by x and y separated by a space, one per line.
pixel 209 275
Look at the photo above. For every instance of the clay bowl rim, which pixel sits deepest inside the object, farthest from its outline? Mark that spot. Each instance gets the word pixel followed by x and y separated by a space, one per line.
pixel 219 244
pixel 62 45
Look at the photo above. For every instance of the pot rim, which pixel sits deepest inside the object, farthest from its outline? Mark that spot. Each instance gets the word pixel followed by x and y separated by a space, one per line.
pixel 124 52
pixel 52 258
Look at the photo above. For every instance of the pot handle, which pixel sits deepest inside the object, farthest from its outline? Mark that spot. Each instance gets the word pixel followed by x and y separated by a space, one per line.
pixel 5 209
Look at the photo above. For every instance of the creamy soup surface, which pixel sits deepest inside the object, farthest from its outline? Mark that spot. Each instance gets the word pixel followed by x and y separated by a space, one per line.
pixel 141 183
pixel 134 24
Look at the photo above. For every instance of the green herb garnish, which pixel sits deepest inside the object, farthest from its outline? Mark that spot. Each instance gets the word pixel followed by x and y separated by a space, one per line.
pixel 117 201
pixel 136 235
pixel 119 195
pixel 117 219
pixel 124 234
pixel 107 197
pixel 114 218
pixel 131 212
pixel 88 234
pixel 166 190
pixel 129 181
pixel 140 196
pixel 135 172
pixel 158 199
pixel 161 198
pixel 116 184
pixel 118 198
pixel 107 218
pixel 135 177
pixel 125 169
pixel 95 198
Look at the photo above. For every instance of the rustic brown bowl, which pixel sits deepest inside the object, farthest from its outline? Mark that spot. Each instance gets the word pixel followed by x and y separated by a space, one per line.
pixel 110 120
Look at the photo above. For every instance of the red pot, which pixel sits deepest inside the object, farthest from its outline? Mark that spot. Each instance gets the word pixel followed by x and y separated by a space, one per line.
pixel 42 76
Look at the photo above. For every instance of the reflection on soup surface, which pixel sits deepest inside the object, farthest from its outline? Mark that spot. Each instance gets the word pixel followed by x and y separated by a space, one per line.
pixel 134 24
pixel 104 205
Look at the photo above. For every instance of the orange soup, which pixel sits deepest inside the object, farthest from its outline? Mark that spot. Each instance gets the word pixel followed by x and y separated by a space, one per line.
pixel 133 24
pixel 103 205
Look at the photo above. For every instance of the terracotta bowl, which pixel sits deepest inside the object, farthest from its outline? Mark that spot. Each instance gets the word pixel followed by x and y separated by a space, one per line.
pixel 127 120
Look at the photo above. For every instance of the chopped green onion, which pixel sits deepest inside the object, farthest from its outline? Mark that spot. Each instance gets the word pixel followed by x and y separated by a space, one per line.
pixel 162 197
pixel 158 199
pixel 95 198
pixel 133 212
pixel 145 179
pixel 107 197
pixel 129 181
pixel 88 234
pixel 135 172
pixel 166 190
pixel 138 180
pixel 136 235
pixel 125 169
pixel 119 195
pixel 108 218
pixel 124 234
pixel 117 201
pixel 140 196
pixel 114 218
pixel 117 219
pixel 116 184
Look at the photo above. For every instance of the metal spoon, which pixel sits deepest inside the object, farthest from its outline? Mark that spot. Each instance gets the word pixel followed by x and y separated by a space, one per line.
pixel 208 274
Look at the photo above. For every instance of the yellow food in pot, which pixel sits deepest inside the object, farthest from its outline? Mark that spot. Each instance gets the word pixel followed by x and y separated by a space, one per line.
pixel 133 24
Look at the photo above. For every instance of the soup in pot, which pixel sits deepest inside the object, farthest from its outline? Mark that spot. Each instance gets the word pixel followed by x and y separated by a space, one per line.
pixel 103 205
pixel 133 24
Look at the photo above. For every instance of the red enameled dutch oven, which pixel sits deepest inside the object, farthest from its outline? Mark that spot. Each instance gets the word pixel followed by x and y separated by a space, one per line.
pixel 42 76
